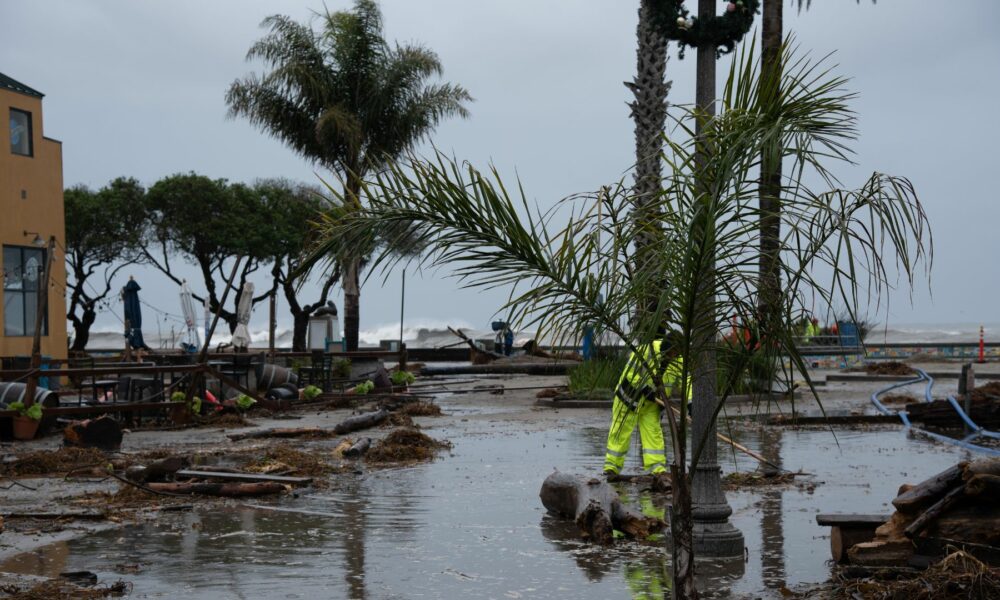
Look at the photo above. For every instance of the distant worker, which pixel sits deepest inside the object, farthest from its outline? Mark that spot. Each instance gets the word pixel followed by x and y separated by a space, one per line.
pixel 508 341
pixel 636 402
pixel 812 329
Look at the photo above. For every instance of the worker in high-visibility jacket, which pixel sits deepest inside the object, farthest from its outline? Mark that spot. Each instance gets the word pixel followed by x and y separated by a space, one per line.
pixel 636 402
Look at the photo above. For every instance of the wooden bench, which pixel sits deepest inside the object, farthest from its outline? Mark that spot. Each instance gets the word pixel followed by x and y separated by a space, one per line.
pixel 849 529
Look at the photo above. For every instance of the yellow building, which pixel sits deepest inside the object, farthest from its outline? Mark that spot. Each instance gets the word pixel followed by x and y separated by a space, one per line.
pixel 31 213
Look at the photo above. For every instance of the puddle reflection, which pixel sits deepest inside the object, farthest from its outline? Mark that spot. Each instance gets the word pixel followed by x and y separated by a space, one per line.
pixel 470 525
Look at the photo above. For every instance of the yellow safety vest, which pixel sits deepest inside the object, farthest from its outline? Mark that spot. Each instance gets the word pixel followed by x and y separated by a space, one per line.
pixel 636 382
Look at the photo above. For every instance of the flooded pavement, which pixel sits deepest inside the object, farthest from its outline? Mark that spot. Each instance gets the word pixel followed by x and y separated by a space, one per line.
pixel 470 524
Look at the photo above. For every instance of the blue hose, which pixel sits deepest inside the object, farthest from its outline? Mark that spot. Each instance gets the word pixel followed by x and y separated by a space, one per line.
pixel 966 442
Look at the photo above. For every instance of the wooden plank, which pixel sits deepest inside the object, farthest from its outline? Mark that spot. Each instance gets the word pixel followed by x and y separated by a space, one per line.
pixel 849 520
pixel 244 476
pixel 99 408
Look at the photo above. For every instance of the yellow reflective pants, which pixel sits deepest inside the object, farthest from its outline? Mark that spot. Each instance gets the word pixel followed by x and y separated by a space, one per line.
pixel 623 422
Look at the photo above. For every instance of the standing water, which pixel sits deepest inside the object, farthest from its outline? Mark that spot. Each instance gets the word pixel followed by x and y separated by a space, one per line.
pixel 470 525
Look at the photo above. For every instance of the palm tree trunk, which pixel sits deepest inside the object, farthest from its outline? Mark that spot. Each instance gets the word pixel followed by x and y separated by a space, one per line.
pixel 681 529
pixel 770 173
pixel 649 112
pixel 352 303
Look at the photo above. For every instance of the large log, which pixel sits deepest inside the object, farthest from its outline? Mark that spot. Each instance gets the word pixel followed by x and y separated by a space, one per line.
pixel 987 486
pixel 986 466
pixel 359 448
pixel 595 507
pixel 233 490
pixel 935 511
pixel 976 524
pixel 359 422
pixel 281 432
pixel 926 493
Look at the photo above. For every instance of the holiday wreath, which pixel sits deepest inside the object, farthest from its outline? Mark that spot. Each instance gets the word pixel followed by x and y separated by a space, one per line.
pixel 722 31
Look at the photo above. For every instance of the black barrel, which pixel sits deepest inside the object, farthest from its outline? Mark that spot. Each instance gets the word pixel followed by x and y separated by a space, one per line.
pixel 14 392
pixel 272 376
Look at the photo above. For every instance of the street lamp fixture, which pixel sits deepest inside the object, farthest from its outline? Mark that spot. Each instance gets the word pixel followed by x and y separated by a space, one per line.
pixel 38 241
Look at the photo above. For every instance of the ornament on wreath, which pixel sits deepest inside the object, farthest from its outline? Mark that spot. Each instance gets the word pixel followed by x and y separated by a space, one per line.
pixel 722 31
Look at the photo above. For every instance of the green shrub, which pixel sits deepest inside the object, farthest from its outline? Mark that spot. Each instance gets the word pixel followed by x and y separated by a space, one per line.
pixel 364 388
pixel 310 392
pixel 402 378
pixel 243 402
pixel 33 412
pixel 341 368
pixel 596 376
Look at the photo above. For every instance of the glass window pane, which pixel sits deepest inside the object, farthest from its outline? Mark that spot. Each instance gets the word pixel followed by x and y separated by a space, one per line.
pixel 33 270
pixel 30 309
pixel 13 314
pixel 20 132
pixel 12 275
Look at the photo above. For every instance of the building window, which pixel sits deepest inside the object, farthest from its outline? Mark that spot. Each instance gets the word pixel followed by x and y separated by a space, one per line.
pixel 23 277
pixel 20 132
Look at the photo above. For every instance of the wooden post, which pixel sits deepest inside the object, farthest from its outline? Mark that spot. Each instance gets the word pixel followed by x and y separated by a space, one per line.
pixel 966 384
pixel 272 324
pixel 41 307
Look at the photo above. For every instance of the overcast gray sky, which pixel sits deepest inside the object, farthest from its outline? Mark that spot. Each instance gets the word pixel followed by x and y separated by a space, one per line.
pixel 137 89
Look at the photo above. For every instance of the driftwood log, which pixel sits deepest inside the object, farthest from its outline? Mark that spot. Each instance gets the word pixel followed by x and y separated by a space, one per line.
pixel 595 507
pixel 281 432
pixel 358 422
pixel 359 448
pixel 926 493
pixel 233 490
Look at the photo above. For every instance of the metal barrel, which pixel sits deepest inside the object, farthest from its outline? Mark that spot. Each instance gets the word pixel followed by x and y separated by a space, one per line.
pixel 14 392
pixel 272 376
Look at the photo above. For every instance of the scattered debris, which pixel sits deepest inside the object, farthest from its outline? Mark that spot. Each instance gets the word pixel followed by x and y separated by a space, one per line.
pixel 62 589
pixel 958 507
pixel 957 576
pixel 891 367
pixel 405 445
pixel 103 432
pixel 49 462
pixel 595 507
pixel 303 463
pixel 769 477
pixel 359 422
pixel 421 409
pixel 548 393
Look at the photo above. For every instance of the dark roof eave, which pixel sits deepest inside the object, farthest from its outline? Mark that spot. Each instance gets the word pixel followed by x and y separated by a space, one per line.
pixel 9 83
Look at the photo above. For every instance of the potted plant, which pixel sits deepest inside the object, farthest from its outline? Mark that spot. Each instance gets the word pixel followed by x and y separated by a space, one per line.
pixel 27 420
pixel 402 379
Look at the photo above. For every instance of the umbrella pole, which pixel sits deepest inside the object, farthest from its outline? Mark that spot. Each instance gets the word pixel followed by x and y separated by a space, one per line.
pixel 211 331
pixel 41 308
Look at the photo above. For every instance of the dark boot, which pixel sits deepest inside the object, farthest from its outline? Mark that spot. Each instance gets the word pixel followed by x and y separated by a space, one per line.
pixel 661 482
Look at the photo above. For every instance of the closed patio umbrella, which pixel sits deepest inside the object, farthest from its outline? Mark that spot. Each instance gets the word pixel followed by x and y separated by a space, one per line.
pixel 190 317
pixel 241 337
pixel 133 315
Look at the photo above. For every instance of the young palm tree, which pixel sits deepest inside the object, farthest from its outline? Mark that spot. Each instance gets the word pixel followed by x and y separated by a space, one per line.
pixel 343 97
pixel 840 244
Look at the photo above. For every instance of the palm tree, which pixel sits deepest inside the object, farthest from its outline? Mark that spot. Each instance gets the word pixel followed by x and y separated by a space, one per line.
pixel 649 112
pixel 562 261
pixel 344 98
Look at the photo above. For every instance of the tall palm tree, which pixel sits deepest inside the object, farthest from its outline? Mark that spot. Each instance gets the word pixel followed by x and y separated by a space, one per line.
pixel 649 112
pixel 837 248
pixel 772 38
pixel 343 97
